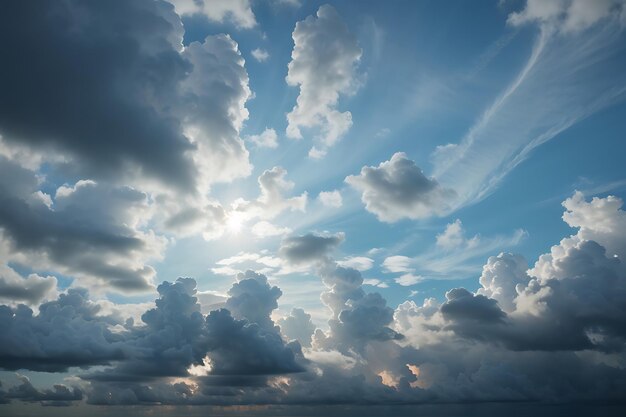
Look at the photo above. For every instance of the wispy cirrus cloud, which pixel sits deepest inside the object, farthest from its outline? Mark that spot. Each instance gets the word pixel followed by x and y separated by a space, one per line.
pixel 566 78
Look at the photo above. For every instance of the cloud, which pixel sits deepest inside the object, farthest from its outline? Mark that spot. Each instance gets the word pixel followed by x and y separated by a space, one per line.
pixel 358 318
pixel 461 305
pixel 550 333
pixel 453 237
pixel 252 298
pixel 271 201
pixel 309 248
pixel 323 65
pixel 398 263
pixel 260 55
pixel 238 12
pixel 407 280
pixel 398 189
pixel 360 263
pixel 213 220
pixel 297 326
pixel 230 341
pixel 569 300
pixel 500 277
pixel 453 255
pixel 213 111
pixel 267 139
pixel 573 71
pixel 162 112
pixel 15 288
pixel 330 198
pixel 239 339
pixel 59 396
pixel 267 229
pixel 567 15
pixel 67 332
pixel 92 231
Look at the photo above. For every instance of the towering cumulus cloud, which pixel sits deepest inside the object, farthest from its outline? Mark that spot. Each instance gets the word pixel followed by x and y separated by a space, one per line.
pixel 553 326
pixel 323 64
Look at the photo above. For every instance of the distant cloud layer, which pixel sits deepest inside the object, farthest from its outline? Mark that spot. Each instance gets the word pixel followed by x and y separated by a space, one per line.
pixel 552 326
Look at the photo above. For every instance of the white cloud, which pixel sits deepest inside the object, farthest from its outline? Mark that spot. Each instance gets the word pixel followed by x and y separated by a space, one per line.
pixel 567 15
pixel 374 282
pixel 237 11
pixel 323 66
pixel 360 263
pixel 454 237
pixel 271 202
pixel 267 139
pixel 260 55
pixel 406 280
pixel 398 264
pixel 569 75
pixel 267 229
pixel 216 93
pixel 331 198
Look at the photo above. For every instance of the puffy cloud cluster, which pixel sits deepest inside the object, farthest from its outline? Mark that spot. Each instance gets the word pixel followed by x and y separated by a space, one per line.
pixel 297 326
pixel 89 230
pixel 134 105
pixel 500 277
pixel 32 289
pixel 572 300
pixel 554 332
pixel 266 139
pixel 111 139
pixel 67 332
pixel 322 64
pixel 398 189
pixel 357 317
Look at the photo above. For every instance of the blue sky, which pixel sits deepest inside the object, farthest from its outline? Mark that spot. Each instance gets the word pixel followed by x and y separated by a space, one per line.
pixel 424 82
pixel 233 203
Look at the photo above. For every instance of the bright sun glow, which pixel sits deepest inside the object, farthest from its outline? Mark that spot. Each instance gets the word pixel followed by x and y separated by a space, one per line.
pixel 235 222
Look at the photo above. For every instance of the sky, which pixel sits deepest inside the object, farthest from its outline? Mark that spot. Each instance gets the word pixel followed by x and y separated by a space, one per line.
pixel 294 207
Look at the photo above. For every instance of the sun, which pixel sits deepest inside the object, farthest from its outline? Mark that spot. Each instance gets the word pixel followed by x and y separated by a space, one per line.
pixel 235 222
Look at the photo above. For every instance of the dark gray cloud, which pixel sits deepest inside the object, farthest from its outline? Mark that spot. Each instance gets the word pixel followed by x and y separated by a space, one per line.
pixel 57 396
pixel 89 230
pixel 173 338
pixel 237 347
pixel 67 332
pixel 462 305
pixel 309 248
pixel 238 340
pixel 29 290
pixel 398 189
pixel 77 87
pixel 125 103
